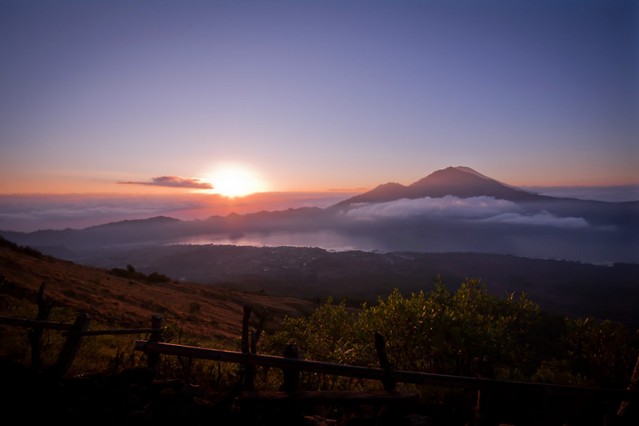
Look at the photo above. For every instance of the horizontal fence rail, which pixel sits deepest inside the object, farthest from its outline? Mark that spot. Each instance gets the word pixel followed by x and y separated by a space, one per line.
pixel 27 323
pixel 109 332
pixel 366 372
pixel 74 333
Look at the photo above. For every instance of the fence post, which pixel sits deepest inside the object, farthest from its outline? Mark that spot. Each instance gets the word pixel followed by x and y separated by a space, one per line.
pixel 71 345
pixel 291 374
pixel 634 378
pixel 35 334
pixel 258 332
pixel 380 347
pixel 249 370
pixel 156 336
pixel 245 328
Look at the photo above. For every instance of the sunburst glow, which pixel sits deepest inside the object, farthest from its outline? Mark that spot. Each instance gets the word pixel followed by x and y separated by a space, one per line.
pixel 235 181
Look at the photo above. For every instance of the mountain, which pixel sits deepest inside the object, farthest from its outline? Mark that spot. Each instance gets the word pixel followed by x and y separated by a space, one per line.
pixel 461 181
pixel 464 182
pixel 136 223
pixel 456 209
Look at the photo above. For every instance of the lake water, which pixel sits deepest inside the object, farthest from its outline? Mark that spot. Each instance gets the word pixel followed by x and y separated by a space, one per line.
pixel 531 244
pixel 326 239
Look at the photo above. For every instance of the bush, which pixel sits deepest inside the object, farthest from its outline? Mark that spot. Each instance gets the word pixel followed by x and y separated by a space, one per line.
pixel 131 273
pixel 467 332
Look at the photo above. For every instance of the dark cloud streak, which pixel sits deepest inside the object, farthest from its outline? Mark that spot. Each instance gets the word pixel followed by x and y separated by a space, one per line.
pixel 173 182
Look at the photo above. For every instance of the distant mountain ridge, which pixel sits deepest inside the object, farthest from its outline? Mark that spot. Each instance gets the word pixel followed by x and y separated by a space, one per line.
pixel 460 181
pixel 438 213
pixel 156 220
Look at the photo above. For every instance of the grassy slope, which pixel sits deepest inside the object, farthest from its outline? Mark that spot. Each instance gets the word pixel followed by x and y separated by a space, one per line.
pixel 203 312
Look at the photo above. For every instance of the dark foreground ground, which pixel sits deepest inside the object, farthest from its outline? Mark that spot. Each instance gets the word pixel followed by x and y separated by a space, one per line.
pixel 135 397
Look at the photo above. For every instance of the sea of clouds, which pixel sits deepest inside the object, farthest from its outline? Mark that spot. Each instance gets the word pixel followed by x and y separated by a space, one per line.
pixel 483 209
pixel 28 213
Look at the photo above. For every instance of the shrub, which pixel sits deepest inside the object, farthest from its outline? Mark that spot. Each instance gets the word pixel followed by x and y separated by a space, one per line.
pixel 467 332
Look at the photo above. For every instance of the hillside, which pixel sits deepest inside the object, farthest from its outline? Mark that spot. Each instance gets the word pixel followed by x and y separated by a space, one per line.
pixel 569 288
pixel 208 313
pixel 205 312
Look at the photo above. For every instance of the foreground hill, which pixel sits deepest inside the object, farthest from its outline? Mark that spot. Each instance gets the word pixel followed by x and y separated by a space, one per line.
pixel 127 298
pixel 207 312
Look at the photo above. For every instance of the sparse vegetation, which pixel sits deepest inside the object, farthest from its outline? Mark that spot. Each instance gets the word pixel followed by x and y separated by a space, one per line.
pixel 131 273
pixel 29 251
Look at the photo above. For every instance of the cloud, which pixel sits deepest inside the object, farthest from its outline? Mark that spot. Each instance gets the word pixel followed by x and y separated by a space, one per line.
pixel 475 209
pixel 539 219
pixel 448 206
pixel 173 182
pixel 34 212
pixel 615 193
pixel 29 213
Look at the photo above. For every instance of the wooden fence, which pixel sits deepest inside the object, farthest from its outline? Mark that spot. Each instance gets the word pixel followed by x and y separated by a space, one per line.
pixel 290 363
pixel 74 333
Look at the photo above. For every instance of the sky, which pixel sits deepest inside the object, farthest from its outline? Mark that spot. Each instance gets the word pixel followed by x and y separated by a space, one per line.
pixel 229 97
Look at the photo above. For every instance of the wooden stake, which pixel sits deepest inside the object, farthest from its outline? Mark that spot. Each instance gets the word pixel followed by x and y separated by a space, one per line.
pixel 632 386
pixel 71 345
pixel 156 336
pixel 248 382
pixel 35 334
pixel 291 374
pixel 380 347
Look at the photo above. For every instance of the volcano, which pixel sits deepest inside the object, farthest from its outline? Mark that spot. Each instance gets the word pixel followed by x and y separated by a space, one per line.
pixel 461 181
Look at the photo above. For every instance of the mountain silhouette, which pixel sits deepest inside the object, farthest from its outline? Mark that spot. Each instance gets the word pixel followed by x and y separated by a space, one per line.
pixel 461 181
pixel 526 224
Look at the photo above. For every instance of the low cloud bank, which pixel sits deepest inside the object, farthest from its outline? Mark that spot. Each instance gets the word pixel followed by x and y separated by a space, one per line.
pixel 33 212
pixel 539 219
pixel 480 209
pixel 616 193
pixel 447 224
pixel 27 213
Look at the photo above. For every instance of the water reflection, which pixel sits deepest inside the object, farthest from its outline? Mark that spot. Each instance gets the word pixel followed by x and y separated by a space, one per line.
pixel 326 239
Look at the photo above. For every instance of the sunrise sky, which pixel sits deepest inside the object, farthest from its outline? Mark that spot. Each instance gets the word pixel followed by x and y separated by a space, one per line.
pixel 240 96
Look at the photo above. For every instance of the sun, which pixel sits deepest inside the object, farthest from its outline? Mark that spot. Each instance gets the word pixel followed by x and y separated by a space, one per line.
pixel 235 181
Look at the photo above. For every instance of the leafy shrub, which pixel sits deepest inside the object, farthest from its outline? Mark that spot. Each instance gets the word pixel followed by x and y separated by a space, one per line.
pixel 467 332
pixel 131 273
pixel 155 277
